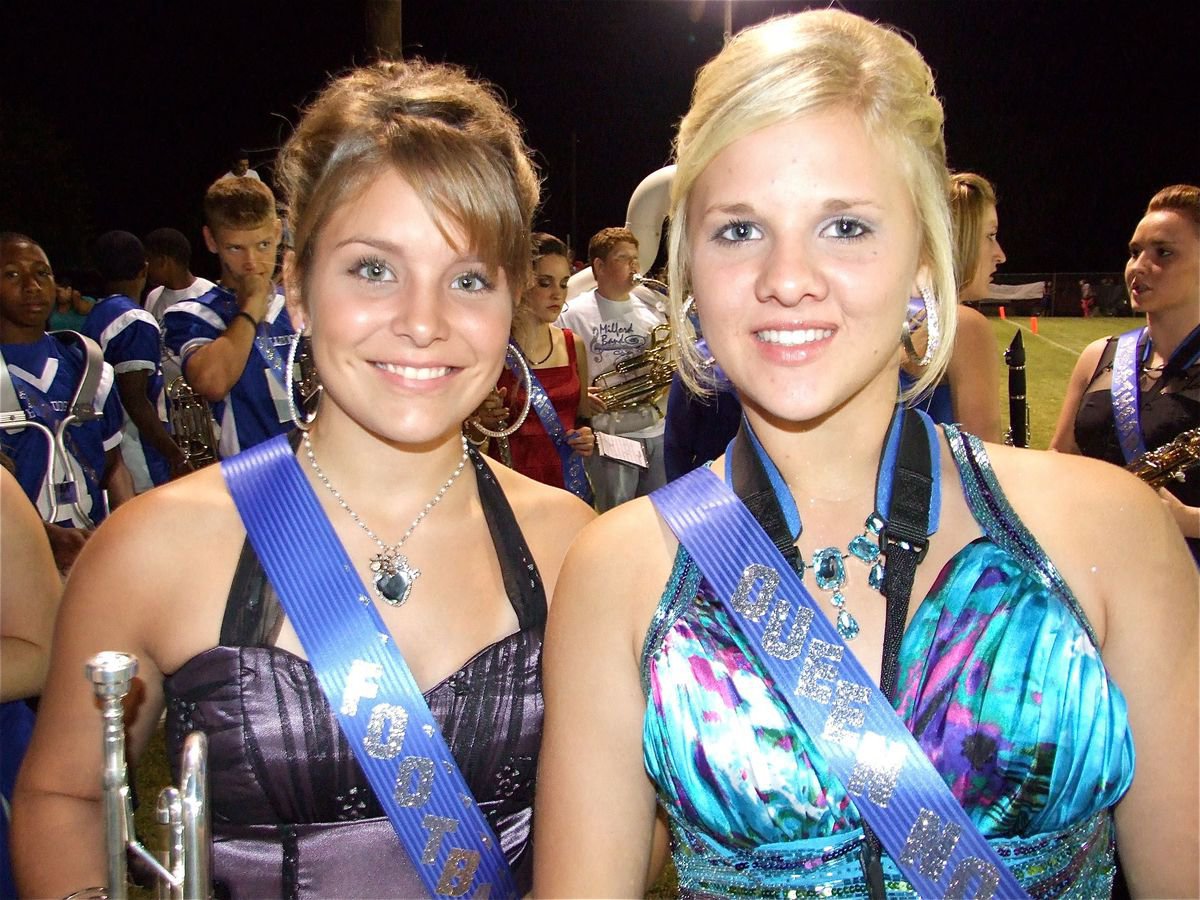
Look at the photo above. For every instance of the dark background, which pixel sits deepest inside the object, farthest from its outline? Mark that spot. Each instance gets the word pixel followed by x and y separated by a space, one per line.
pixel 119 115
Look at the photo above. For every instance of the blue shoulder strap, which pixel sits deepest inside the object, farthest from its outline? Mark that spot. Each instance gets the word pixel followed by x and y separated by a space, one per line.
pixel 892 782
pixel 378 704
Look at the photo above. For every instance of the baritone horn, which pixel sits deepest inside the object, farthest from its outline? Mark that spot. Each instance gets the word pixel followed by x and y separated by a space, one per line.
pixel 185 871
pixel 192 425
pixel 640 379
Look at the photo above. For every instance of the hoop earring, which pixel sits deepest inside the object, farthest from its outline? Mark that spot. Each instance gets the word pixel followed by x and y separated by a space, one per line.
pixel 513 352
pixel 933 325
pixel 288 378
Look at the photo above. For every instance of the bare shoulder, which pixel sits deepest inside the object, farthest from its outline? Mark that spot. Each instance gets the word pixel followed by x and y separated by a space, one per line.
pixel 973 335
pixel 629 551
pixel 1090 357
pixel 166 556
pixel 1102 527
pixel 533 500
pixel 549 517
pixel 972 320
pixel 19 513
pixel 182 514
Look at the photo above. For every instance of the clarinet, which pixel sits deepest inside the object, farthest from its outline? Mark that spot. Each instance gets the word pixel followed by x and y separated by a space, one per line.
pixel 1018 407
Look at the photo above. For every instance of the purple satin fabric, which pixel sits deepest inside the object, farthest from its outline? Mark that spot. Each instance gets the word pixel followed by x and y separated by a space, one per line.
pixel 293 814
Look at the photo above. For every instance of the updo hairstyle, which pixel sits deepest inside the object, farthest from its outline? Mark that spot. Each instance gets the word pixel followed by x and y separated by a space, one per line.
pixel 800 65
pixel 449 136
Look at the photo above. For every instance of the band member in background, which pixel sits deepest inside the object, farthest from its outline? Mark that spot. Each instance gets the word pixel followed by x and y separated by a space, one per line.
pixel 1034 631
pixel 969 393
pixel 233 340
pixel 132 344
pixel 412 194
pixel 616 324
pixel 45 371
pixel 549 446
pixel 1133 393
pixel 169 274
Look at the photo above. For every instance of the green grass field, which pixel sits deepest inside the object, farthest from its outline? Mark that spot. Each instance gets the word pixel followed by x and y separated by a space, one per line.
pixel 1049 358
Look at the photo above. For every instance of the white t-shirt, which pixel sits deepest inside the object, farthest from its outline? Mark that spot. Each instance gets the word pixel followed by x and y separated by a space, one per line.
pixel 613 330
pixel 158 301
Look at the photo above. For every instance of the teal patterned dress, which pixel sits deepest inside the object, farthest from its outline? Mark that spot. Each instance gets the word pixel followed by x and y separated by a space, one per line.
pixel 1001 683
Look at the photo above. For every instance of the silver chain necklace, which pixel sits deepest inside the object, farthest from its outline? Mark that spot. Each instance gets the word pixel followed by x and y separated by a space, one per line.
pixel 394 577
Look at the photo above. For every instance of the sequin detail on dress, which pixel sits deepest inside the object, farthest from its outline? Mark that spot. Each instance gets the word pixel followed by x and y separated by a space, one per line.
pixel 1000 682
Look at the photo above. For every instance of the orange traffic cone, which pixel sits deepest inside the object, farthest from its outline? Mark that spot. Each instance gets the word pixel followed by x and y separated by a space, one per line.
pixel 1033 324
pixel 1003 315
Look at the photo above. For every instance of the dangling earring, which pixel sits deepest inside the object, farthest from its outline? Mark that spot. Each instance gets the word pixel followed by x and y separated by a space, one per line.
pixel 933 325
pixel 288 378
pixel 514 352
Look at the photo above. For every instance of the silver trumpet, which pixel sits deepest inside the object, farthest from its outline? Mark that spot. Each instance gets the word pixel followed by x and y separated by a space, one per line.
pixel 185 871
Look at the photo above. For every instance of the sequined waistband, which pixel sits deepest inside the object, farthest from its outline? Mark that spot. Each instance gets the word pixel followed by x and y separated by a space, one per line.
pixel 1074 862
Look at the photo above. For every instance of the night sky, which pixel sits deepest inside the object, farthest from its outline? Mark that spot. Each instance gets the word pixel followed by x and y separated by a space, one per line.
pixel 119 115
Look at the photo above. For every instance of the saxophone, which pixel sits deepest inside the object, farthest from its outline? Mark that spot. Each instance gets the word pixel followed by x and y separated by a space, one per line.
pixel 1170 462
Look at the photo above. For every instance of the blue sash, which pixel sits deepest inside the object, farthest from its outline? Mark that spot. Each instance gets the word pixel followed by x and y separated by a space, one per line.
pixel 395 738
pixel 1126 390
pixel 892 782
pixel 574 476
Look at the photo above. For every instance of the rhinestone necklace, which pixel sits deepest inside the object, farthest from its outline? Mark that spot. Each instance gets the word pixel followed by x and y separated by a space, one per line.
pixel 829 571
pixel 393 575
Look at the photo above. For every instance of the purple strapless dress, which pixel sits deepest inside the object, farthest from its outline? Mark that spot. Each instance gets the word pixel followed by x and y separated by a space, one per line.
pixel 293 815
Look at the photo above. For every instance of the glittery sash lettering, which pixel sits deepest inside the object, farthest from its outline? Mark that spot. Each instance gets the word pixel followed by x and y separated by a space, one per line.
pixel 1126 391
pixel 364 677
pixel 893 784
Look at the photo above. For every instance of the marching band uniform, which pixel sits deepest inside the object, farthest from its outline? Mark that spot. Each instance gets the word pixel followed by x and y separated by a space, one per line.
pixel 46 374
pixel 256 407
pixel 158 301
pixel 131 341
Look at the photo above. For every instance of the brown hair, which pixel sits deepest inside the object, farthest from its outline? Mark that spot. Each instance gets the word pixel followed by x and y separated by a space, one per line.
pixel 970 197
pixel 603 241
pixel 1180 198
pixel 449 136
pixel 242 203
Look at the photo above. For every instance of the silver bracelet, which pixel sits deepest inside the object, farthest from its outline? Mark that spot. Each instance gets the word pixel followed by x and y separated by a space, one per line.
pixel 468 428
pixel 99 892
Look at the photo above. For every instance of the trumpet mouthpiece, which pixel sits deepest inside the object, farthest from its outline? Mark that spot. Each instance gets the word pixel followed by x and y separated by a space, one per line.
pixel 110 672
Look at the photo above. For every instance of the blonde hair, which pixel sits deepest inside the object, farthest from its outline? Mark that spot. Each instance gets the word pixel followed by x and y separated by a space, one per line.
pixel 238 203
pixel 448 135
pixel 803 64
pixel 970 197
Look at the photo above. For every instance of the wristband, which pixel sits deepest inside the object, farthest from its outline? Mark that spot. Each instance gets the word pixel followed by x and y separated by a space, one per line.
pixel 242 314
